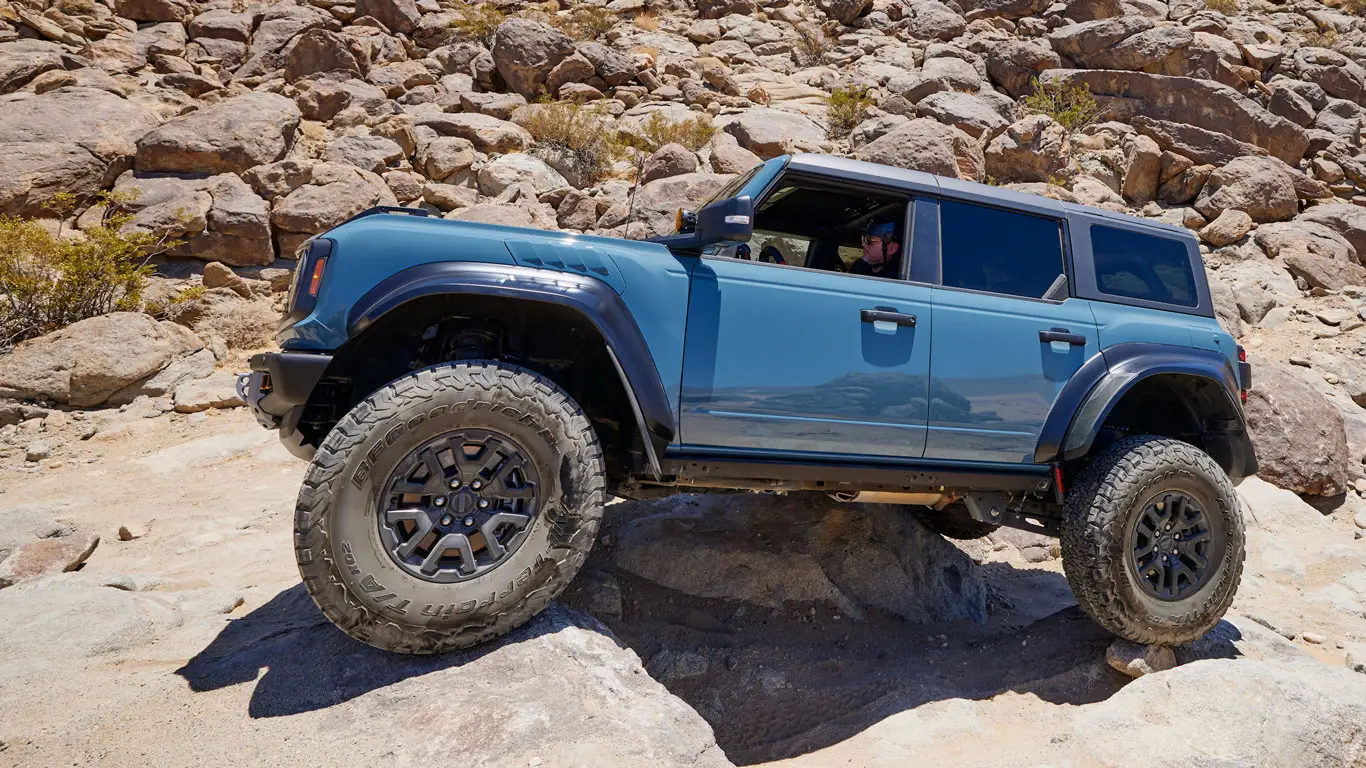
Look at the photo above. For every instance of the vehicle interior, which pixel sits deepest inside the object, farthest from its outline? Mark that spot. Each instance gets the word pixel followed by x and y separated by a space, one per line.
pixel 804 224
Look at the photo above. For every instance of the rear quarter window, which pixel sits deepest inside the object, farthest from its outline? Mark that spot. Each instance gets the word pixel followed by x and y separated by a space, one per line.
pixel 1135 265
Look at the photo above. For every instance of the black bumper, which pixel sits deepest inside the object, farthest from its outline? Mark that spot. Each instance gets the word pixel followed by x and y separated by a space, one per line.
pixel 277 389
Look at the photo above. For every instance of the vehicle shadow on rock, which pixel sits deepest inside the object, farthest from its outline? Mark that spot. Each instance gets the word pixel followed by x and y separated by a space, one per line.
pixel 309 664
pixel 781 680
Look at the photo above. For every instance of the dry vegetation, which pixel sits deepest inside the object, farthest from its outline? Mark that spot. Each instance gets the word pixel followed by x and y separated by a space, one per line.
pixel 1072 106
pixel 48 281
pixel 846 108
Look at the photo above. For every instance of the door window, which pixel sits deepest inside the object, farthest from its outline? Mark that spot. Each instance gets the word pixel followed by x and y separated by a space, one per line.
pixel 1000 251
pixel 813 226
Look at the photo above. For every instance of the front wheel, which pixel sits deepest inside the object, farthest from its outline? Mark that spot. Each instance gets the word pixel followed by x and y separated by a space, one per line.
pixel 449 507
pixel 1152 541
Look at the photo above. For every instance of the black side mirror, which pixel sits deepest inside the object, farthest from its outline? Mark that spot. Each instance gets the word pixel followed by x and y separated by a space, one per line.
pixel 730 220
pixel 725 221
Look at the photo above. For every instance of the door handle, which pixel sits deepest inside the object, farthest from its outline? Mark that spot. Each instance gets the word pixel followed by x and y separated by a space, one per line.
pixel 1062 334
pixel 886 315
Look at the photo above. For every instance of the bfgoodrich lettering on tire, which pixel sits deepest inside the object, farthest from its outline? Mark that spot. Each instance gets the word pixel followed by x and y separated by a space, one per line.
pixel 1152 541
pixel 449 507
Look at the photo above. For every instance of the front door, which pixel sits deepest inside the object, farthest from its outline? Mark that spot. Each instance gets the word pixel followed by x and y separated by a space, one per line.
pixel 778 359
pixel 1006 336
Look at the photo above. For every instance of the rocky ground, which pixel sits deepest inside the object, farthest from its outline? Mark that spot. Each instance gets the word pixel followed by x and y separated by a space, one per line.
pixel 149 607
pixel 704 630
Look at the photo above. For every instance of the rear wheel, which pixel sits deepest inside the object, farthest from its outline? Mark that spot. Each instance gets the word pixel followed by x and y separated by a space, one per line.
pixel 954 522
pixel 1152 541
pixel 449 507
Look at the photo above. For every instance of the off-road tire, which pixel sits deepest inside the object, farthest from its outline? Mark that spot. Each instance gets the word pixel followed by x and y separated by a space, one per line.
pixel 954 522
pixel 1101 508
pixel 351 575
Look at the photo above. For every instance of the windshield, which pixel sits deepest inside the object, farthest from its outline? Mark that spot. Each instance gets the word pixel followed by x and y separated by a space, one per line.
pixel 733 186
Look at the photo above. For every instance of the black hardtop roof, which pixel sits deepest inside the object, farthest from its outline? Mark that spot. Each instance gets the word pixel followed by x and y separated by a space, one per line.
pixel 969 191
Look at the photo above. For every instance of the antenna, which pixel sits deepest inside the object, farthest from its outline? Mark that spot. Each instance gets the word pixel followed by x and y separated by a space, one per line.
pixel 631 200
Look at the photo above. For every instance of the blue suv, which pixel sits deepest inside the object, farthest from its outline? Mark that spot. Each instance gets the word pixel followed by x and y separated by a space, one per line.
pixel 469 394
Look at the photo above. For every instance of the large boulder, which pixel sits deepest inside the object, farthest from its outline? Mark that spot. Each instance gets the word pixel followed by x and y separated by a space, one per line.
pixel 657 202
pixel 1202 103
pixel 89 361
pixel 1013 64
pixel 1300 441
pixel 850 558
pixel 217 218
pixel 487 133
pixel 970 114
pixel 932 20
pixel 278 25
pixel 525 52
pixel 320 51
pixel 75 140
pixel 73 616
pixel 1335 73
pixel 772 132
pixel 231 135
pixel 334 194
pixel 515 169
pixel 23 60
pixel 1123 42
pixel 928 145
pixel 1201 146
pixel 844 11
pixel 400 16
pixel 1261 187
pixel 1347 220
pixel 1032 149
pixel 1271 712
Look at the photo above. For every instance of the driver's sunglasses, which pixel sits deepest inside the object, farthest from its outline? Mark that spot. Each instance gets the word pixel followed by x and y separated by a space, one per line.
pixel 868 239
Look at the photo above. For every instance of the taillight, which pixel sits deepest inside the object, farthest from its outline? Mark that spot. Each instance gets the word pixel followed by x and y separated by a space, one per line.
pixel 316 278
pixel 1244 374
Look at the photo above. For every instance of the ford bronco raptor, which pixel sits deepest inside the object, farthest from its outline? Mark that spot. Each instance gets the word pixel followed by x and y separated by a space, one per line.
pixel 469 394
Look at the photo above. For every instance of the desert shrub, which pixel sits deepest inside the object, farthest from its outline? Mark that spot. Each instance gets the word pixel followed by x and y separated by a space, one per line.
pixel 478 23
pixel 846 108
pixel 49 281
pixel 1326 37
pixel 646 20
pixel 591 22
pixel 1072 106
pixel 578 132
pixel 811 45
pixel 1354 7
pixel 693 133
pixel 1226 7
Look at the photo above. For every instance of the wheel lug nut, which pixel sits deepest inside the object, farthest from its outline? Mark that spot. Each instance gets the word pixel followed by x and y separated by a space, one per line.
pixel 483 503
pixel 446 520
pixel 477 484
pixel 455 483
pixel 440 501
pixel 469 521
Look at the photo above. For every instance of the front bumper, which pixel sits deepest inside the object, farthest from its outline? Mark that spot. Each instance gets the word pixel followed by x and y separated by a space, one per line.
pixel 277 390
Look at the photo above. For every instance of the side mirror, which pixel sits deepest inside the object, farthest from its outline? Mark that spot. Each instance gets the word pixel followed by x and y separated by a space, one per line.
pixel 729 220
pixel 725 221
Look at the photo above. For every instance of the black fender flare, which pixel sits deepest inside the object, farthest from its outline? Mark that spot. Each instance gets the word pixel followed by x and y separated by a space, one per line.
pixel 594 299
pixel 1083 404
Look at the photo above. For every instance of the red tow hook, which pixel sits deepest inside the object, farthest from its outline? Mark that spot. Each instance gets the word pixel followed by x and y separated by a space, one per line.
pixel 1057 482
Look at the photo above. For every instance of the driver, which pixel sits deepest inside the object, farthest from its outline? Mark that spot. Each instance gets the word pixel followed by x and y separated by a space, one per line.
pixel 881 250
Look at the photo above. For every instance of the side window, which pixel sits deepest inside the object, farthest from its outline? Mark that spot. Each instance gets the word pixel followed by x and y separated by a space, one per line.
pixel 990 249
pixel 1136 265
pixel 819 226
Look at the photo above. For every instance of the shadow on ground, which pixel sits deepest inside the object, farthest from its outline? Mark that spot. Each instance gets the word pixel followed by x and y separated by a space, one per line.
pixel 309 664
pixel 772 683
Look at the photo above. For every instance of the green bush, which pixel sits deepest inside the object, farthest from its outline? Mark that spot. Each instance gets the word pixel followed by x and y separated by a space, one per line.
pixel 846 108
pixel 1072 106
pixel 48 281
pixel 577 131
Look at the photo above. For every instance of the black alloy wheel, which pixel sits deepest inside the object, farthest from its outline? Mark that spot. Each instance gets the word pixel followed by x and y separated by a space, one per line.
pixel 459 505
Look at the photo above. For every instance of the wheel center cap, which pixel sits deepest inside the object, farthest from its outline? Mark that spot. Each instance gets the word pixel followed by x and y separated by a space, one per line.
pixel 463 502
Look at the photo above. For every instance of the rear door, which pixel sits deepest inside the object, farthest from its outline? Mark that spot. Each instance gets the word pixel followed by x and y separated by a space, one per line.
pixel 1006 335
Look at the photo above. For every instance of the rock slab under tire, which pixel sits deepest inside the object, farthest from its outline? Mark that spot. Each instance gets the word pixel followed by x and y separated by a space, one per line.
pixel 341 555
pixel 1103 509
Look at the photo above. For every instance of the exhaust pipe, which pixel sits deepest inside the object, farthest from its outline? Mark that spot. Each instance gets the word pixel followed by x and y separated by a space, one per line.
pixel 933 499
